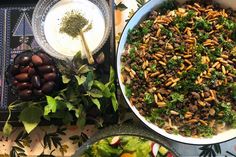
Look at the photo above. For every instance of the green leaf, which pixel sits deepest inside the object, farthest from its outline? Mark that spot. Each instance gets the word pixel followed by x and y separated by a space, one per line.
pixel 65 79
pixel 112 75
pixel 114 102
pixel 30 117
pixel 7 129
pixel 97 103
pixel 106 92
pixel 70 106
pixel 80 79
pixel 89 81
pixel 51 105
pixel 67 119
pixel 84 69
pixel 77 60
pixel 81 121
pixel 95 93
pixel 104 88
pixel 99 85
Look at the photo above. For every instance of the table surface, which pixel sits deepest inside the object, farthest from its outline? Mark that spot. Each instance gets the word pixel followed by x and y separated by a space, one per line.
pixel 63 141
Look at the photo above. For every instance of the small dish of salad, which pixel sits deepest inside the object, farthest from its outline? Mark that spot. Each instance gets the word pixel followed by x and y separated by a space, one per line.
pixel 126 140
pixel 126 146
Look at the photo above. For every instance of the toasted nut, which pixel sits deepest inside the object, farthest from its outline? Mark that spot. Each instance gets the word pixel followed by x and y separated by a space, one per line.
pixel 224 56
pixel 159 55
pixel 212 92
pixel 155 74
pixel 181 10
pixel 160 96
pixel 209 99
pixel 133 72
pixel 161 104
pixel 188 115
pixel 143 66
pixel 223 70
pixel 122 78
pixel 188 62
pixel 168 83
pixel 153 38
pixel 154 56
pixel 174 112
pixel 176 80
pixel 174 84
pixel 131 75
pixel 162 63
pixel 145 74
pixel 158 32
pixel 189 67
pixel 201 103
pixel 215 64
pixel 192 121
pixel 169 46
pixel 218 66
pixel 182 67
pixel 162 75
pixel 197 5
pixel 223 61
pixel 127 69
pixel 212 123
pixel 155 98
pixel 203 122
pixel 212 112
pixel 187 56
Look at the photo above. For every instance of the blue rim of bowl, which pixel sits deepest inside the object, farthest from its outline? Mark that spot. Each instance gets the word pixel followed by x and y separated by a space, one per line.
pixel 117 64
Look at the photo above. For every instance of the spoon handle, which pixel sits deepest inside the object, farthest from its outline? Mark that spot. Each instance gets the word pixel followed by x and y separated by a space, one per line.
pixel 87 51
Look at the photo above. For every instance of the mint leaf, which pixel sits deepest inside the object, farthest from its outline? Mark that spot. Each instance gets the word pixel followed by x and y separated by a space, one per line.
pixel 95 93
pixel 106 92
pixel 7 129
pixel 99 85
pixel 30 117
pixel 114 102
pixel 89 81
pixel 97 103
pixel 80 80
pixel 70 106
pixel 65 79
pixel 81 121
pixel 84 69
pixel 51 107
pixel 112 75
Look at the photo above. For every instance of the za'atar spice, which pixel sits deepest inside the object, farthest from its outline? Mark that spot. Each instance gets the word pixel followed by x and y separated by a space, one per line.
pixel 72 23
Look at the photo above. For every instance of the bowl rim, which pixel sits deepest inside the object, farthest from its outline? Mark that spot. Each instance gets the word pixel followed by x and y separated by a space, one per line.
pixel 126 129
pixel 108 27
pixel 120 49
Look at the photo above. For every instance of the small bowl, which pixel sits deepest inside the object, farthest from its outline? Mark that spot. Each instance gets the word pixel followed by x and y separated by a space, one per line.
pixel 41 11
pixel 128 129
pixel 10 76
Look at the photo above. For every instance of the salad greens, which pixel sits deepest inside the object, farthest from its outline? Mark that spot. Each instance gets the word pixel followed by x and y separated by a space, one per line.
pixel 125 146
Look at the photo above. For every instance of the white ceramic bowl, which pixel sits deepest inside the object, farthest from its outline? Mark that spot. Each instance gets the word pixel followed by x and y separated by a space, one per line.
pixel 136 19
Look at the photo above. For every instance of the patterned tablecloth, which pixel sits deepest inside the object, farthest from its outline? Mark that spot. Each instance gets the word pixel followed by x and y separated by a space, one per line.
pixel 63 141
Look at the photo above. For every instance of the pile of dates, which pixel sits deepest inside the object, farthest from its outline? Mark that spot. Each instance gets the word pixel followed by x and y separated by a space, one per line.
pixel 34 75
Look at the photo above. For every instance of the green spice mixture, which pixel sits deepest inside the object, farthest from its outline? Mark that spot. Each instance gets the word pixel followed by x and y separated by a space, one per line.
pixel 179 68
pixel 73 23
